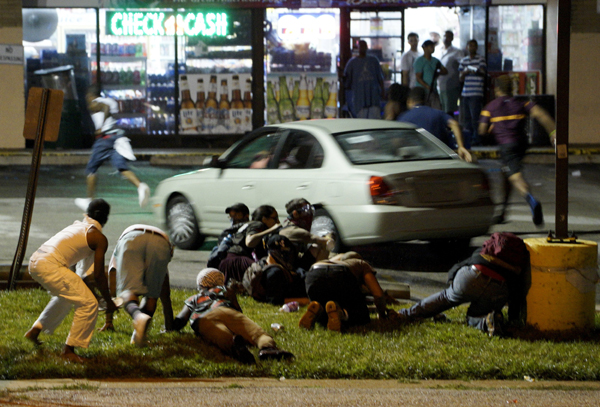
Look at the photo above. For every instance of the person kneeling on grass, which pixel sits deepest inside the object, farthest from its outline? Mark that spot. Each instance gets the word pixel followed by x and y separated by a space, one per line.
pixel 496 274
pixel 215 314
pixel 335 285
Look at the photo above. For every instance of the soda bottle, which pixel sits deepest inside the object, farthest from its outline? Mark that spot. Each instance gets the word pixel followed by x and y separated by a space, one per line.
pixel 317 104
pixel 236 114
pixel 200 105
pixel 224 106
pixel 248 106
pixel 286 109
pixel 272 107
pixel 211 106
pixel 331 106
pixel 187 109
pixel 303 104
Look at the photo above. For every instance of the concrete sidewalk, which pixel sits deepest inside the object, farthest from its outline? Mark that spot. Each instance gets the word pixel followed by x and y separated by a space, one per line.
pixel 286 392
pixel 196 157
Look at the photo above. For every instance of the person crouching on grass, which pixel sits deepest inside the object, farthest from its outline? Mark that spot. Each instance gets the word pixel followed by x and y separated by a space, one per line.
pixel 215 314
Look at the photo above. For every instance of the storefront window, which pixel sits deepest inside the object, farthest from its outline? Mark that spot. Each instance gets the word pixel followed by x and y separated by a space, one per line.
pixel 516 45
pixel 215 76
pixel 58 45
pixel 382 30
pixel 302 47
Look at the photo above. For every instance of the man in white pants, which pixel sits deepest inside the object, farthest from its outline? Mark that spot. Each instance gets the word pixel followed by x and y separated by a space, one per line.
pixel 140 258
pixel 81 243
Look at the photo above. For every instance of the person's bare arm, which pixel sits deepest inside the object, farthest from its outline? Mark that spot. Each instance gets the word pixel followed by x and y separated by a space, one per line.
pixel 181 319
pixel 544 118
pixel 462 152
pixel 253 240
pixel 406 78
pixel 442 70
pixel 99 244
pixel 419 76
pixel 483 129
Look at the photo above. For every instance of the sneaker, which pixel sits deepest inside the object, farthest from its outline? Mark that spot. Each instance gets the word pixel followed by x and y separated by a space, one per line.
pixel 538 216
pixel 83 203
pixel 143 194
pixel 274 354
pixel 335 316
pixel 240 351
pixel 311 315
pixel 494 321
pixel 141 323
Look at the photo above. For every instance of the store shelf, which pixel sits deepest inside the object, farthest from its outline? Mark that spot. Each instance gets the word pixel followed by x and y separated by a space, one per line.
pixel 129 115
pixel 124 60
pixel 124 87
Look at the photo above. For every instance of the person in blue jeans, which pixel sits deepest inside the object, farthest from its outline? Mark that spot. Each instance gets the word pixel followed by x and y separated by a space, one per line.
pixel 496 274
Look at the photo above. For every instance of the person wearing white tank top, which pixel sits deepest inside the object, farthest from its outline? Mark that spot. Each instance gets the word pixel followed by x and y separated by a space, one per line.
pixel 81 244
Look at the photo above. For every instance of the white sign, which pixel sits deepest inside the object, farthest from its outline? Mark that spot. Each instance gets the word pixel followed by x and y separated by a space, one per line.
pixel 11 54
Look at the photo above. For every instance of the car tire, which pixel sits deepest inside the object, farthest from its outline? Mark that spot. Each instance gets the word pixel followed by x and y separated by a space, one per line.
pixel 183 225
pixel 323 225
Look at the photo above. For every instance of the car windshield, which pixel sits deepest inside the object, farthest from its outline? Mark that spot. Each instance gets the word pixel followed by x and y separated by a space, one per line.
pixel 389 145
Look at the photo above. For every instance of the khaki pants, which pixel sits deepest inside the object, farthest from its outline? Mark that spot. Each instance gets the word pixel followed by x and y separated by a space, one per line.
pixel 221 324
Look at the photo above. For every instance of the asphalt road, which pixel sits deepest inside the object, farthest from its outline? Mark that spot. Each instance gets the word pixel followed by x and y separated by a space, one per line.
pixel 419 264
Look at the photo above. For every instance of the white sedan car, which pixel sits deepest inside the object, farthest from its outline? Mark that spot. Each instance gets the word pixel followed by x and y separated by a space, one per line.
pixel 371 181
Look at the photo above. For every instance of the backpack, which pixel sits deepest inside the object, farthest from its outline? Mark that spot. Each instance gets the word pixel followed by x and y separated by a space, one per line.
pixel 253 279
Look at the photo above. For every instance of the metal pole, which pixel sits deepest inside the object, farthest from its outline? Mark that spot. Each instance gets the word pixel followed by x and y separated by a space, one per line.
pixel 562 118
pixel 31 189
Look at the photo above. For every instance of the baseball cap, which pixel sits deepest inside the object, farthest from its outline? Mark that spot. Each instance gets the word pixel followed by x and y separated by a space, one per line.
pixel 238 207
pixel 427 43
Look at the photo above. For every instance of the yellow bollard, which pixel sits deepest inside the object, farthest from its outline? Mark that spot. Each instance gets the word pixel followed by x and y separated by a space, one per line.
pixel 563 284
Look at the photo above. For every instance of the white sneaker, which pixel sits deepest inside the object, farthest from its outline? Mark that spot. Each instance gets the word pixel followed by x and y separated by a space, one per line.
pixel 83 203
pixel 143 194
pixel 140 326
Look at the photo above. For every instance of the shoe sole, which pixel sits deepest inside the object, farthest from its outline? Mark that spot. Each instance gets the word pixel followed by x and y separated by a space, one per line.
pixel 310 316
pixel 334 323
pixel 139 335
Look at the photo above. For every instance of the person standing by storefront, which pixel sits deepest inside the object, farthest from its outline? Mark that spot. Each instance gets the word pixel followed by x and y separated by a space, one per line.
pixel 427 69
pixel 472 70
pixel 364 78
pixel 449 84
pixel 408 59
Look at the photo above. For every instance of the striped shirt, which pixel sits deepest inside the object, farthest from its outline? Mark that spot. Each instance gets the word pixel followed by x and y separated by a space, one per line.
pixel 506 117
pixel 473 83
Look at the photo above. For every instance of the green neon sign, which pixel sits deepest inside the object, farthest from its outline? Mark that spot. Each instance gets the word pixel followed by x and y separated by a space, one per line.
pixel 156 23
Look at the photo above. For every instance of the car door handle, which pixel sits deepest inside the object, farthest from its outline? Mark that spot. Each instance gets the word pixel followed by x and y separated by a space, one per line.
pixel 303 186
pixel 249 186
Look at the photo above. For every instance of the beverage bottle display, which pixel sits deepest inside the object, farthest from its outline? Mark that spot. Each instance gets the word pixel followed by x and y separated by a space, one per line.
pixel 122 76
pixel 331 109
pixel 295 93
pixel 272 107
pixel 303 104
pixel 224 106
pixel 248 105
pixel 286 109
pixel 317 104
pixel 325 89
pixel 211 107
pixel 187 110
pixel 200 105
pixel 310 85
pixel 236 113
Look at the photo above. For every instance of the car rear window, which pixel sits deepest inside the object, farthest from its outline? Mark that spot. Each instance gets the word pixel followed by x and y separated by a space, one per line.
pixel 389 145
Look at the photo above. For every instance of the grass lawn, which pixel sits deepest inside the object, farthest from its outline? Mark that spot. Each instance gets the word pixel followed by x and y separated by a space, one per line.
pixel 380 350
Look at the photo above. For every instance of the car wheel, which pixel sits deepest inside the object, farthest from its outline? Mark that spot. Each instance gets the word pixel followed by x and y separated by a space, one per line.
pixel 323 225
pixel 182 224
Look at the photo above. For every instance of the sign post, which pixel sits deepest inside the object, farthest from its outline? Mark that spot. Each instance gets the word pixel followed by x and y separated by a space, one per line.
pixel 42 121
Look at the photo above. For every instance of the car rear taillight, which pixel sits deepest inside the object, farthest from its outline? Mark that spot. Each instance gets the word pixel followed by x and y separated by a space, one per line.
pixel 381 193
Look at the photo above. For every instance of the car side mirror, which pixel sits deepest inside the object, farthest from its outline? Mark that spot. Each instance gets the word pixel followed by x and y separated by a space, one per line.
pixel 213 161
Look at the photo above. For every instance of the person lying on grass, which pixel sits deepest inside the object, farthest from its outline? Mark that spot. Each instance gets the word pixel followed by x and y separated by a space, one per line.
pixel 215 314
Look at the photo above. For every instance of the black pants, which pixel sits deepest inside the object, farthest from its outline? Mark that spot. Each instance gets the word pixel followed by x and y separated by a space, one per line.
pixel 336 283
